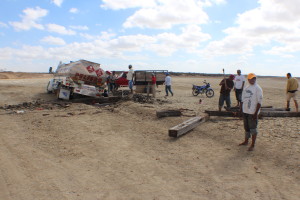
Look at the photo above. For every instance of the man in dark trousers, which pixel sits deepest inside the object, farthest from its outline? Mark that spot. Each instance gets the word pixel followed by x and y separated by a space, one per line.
pixel 226 87
pixel 239 82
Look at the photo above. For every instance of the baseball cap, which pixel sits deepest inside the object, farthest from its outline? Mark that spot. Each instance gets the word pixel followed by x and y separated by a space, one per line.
pixel 251 76
pixel 231 76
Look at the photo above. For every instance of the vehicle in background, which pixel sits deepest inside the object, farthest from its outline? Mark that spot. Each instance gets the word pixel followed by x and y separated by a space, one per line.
pixel 204 89
pixel 81 77
pixel 141 77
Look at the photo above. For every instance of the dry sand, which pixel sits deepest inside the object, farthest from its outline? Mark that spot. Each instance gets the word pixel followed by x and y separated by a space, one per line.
pixel 123 151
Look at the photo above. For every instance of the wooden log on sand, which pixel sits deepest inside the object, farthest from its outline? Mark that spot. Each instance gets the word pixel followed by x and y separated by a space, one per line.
pixel 188 125
pixel 263 113
pixel 279 114
pixel 168 113
pixel 220 113
pixel 268 108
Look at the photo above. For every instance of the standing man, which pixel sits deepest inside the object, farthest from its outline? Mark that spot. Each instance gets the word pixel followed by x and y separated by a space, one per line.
pixel 226 86
pixel 112 79
pixel 168 83
pixel 291 91
pixel 130 76
pixel 239 83
pixel 153 85
pixel 250 107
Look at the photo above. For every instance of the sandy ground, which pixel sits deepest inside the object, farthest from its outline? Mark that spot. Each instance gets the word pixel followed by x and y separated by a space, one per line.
pixel 123 151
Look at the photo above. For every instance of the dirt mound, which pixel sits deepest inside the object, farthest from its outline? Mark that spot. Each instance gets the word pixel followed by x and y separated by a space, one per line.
pixel 23 75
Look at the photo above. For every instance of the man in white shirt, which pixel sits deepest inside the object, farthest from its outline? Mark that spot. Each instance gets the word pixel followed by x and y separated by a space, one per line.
pixel 250 106
pixel 239 83
pixel 168 83
pixel 130 76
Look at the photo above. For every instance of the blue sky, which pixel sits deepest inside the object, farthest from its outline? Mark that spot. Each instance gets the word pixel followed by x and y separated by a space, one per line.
pixel 183 36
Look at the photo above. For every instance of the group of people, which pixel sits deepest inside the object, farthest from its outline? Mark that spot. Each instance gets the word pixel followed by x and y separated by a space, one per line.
pixel 249 99
pixel 112 77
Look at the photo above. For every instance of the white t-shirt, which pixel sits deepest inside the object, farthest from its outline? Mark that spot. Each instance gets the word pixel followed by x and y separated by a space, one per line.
pixel 238 81
pixel 130 74
pixel 168 80
pixel 251 96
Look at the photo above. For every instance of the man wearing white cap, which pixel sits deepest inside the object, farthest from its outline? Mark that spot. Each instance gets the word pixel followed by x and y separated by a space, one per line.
pixel 252 97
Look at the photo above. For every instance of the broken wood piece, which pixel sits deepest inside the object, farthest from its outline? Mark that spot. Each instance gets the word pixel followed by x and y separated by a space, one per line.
pixel 168 113
pixel 186 126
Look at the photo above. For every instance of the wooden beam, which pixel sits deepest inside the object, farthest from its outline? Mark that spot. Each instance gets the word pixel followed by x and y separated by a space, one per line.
pixel 220 113
pixel 168 113
pixel 236 109
pixel 188 125
pixel 263 113
pixel 279 114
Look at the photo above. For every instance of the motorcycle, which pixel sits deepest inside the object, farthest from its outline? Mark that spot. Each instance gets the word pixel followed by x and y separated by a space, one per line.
pixel 204 89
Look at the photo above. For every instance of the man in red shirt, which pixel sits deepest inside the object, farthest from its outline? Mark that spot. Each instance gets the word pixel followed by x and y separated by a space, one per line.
pixel 226 86
pixel 153 84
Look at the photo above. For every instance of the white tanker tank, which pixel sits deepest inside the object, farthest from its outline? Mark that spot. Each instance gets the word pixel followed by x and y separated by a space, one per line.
pixel 81 77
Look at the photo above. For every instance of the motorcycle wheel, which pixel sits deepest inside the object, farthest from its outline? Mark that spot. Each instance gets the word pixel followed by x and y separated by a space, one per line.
pixel 210 93
pixel 195 92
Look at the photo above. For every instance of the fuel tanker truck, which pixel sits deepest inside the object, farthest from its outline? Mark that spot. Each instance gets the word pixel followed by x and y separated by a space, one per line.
pixel 77 78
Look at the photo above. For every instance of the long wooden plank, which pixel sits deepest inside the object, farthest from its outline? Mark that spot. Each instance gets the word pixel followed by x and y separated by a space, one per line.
pixel 279 114
pixel 236 109
pixel 263 113
pixel 188 125
pixel 168 113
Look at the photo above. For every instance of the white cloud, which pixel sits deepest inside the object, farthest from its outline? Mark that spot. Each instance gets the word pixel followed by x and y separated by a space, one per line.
pixel 29 19
pixel 83 28
pixel 189 40
pixel 60 29
pixel 74 10
pixel 161 14
pixel 104 36
pixel 131 42
pixel 124 4
pixel 108 45
pixel 272 22
pixel 53 40
pixel 167 14
pixel 57 2
pixel 3 25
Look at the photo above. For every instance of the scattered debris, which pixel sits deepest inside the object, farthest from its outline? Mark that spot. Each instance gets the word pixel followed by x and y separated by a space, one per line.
pixel 142 98
pixel 36 105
